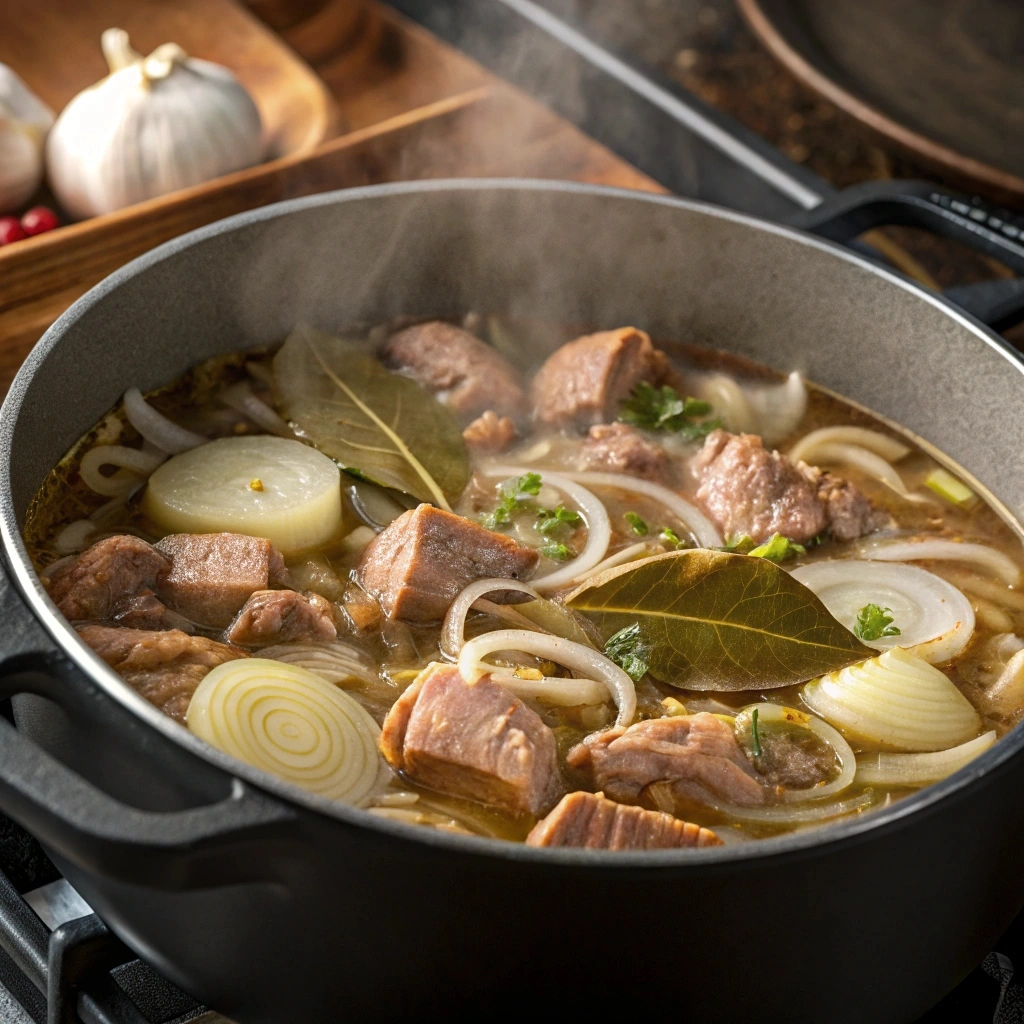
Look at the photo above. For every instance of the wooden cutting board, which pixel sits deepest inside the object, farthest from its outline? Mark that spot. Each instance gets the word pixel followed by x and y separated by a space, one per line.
pixel 55 47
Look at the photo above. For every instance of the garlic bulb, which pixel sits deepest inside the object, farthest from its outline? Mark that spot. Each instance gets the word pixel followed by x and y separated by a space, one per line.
pixel 153 125
pixel 24 122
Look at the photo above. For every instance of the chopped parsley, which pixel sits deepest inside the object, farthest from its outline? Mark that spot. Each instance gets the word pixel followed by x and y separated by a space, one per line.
pixel 741 543
pixel 550 519
pixel 512 503
pixel 670 537
pixel 628 650
pixel 777 549
pixel 559 552
pixel 640 528
pixel 755 737
pixel 663 409
pixel 874 622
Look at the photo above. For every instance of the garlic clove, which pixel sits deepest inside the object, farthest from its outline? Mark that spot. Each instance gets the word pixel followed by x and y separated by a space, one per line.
pixel 24 122
pixel 154 125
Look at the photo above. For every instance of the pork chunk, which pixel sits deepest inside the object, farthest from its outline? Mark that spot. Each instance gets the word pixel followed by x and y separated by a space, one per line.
pixel 490 432
pixel 584 381
pixel 214 574
pixel 696 754
pixel 164 666
pixel 476 741
pixel 467 375
pixel 417 566
pixel 102 581
pixel 620 448
pixel 590 821
pixel 281 617
pixel 850 515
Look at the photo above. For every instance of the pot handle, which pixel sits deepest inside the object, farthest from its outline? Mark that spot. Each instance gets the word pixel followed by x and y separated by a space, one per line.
pixel 846 215
pixel 240 837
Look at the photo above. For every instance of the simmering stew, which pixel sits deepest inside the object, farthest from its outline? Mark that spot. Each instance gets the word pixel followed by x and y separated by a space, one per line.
pixel 632 595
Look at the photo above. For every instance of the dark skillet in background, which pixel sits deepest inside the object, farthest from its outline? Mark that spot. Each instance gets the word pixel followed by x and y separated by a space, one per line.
pixel 275 906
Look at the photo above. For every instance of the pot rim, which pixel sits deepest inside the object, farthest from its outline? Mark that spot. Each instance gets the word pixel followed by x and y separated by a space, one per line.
pixel 802 843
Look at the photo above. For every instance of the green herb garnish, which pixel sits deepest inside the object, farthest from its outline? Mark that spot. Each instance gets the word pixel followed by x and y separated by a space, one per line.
pixel 511 503
pixel 741 543
pixel 755 738
pixel 559 552
pixel 777 549
pixel 670 537
pixel 627 649
pixel 663 409
pixel 874 622
pixel 640 528
pixel 550 519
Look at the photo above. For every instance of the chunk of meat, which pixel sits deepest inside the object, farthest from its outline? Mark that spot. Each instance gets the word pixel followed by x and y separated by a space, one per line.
pixel 282 616
pixel 467 375
pixel 490 432
pixel 164 666
pixel 418 564
pixel 747 489
pixel 144 611
pixel 590 821
pixel 102 581
pixel 584 381
pixel 476 741
pixel 697 754
pixel 620 448
pixel 214 574
pixel 794 758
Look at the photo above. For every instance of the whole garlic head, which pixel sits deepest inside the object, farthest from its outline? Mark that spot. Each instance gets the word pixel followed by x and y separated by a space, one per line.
pixel 153 125
pixel 24 122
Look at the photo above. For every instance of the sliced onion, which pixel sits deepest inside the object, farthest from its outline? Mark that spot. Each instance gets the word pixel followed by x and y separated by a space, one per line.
pixel 778 408
pixel 453 631
pixel 980 586
pixel 291 723
pixel 919 769
pixel 584 660
pixel 630 554
pixel 729 402
pixel 991 616
pixel 896 701
pixel 133 466
pixel 888 448
pixel 933 617
pixel 157 428
pixel 1007 692
pixel 802 814
pixel 554 690
pixel 702 530
pixel 939 550
pixel 74 537
pixel 775 713
pixel 240 398
pixel 333 661
pixel 867 462
pixel 599 527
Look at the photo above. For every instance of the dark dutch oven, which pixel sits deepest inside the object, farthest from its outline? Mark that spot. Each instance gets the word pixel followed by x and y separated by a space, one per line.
pixel 274 906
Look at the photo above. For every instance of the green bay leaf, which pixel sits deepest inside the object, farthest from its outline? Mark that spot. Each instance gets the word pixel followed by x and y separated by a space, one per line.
pixel 717 621
pixel 378 425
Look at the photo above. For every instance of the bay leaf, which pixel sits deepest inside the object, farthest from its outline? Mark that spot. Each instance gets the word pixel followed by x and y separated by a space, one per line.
pixel 718 621
pixel 375 424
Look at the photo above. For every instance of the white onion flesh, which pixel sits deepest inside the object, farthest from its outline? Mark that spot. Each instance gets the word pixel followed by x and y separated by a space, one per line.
pixel 553 689
pixel 726 397
pixel 133 466
pixel 980 586
pixel 800 814
pixel 867 462
pixel 935 549
pixel 703 532
pixel 74 537
pixel 919 769
pixel 1007 692
pixel 934 618
pixel 240 398
pixel 291 723
pixel 778 408
pixel 453 631
pixel 768 714
pixel 896 701
pixel 599 527
pixel 157 428
pixel 585 660
pixel 333 661
pixel 888 448
pixel 630 554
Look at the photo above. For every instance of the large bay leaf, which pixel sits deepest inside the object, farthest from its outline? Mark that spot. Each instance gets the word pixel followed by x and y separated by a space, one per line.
pixel 718 621
pixel 376 424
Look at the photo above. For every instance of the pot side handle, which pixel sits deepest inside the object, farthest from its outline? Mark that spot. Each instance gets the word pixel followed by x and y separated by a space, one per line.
pixel 997 233
pixel 242 837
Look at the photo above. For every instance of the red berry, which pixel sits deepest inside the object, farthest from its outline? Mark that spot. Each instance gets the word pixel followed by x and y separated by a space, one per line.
pixel 39 219
pixel 10 230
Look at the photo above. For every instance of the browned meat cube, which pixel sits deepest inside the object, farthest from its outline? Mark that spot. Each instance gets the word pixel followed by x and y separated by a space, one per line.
pixel 282 616
pixel 101 581
pixel 164 666
pixel 796 759
pixel 584 381
pixel 214 574
pixel 476 741
pixel 145 611
pixel 749 490
pixel 589 820
pixel 490 432
pixel 467 375
pixel 697 754
pixel 417 566
pixel 620 448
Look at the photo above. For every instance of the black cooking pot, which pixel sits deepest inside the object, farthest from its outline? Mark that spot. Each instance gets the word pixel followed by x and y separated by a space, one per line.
pixel 276 906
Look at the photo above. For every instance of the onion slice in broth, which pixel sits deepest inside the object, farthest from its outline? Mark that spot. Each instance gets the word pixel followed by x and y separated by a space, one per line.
pixel 156 428
pixel 928 549
pixel 888 448
pixel 453 632
pixel 919 769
